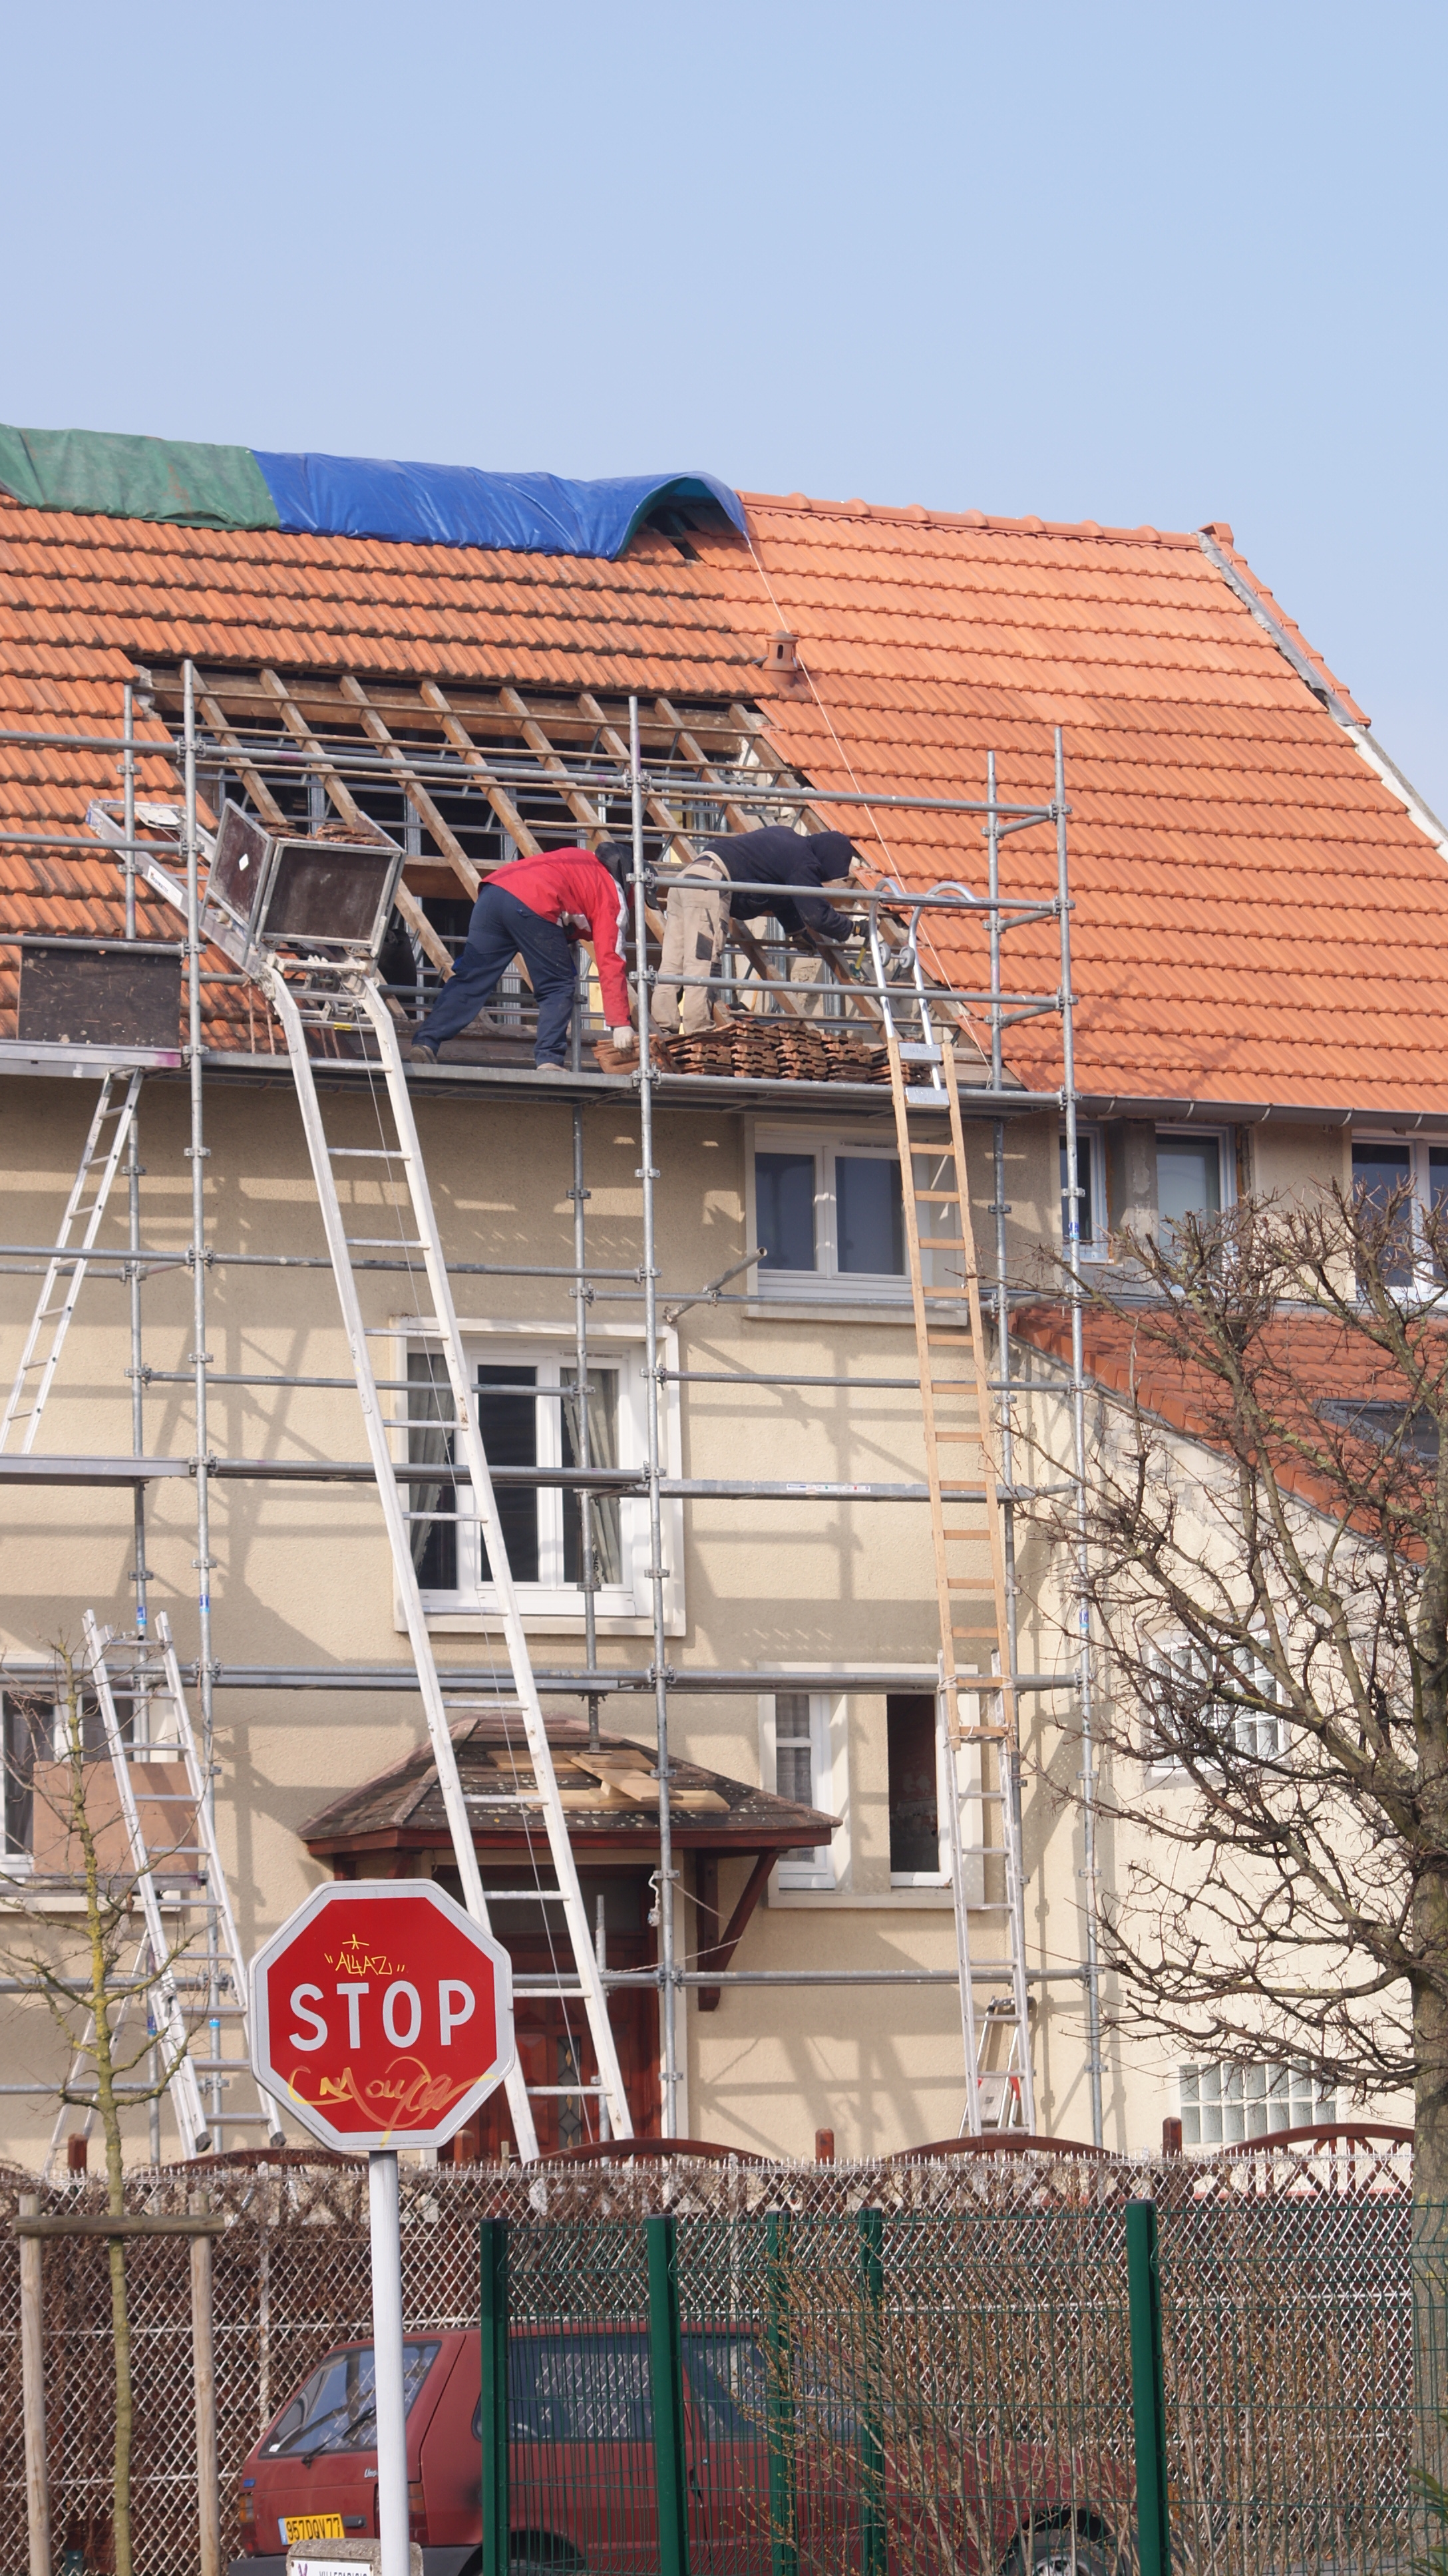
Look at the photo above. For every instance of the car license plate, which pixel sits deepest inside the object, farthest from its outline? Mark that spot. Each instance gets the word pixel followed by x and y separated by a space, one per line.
pixel 311 2526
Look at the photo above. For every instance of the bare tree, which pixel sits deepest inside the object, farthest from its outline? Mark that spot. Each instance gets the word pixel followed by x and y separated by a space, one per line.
pixel 1268 1524
pixel 89 2010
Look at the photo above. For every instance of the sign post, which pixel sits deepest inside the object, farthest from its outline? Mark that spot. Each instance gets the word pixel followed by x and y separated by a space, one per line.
pixel 381 2016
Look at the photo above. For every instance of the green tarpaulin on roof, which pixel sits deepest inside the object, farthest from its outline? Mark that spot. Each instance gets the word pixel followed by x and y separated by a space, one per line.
pixel 179 480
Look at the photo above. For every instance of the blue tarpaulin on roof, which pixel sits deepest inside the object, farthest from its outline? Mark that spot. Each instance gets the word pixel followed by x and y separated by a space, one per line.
pixel 193 485
pixel 458 505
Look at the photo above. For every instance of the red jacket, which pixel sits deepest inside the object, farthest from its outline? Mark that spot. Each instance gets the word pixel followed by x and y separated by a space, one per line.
pixel 575 889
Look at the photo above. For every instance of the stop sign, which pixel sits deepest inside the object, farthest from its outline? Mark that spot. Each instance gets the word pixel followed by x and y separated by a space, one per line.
pixel 381 2016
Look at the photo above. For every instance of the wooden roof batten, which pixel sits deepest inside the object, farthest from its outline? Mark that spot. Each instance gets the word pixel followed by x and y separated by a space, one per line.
pixel 326 717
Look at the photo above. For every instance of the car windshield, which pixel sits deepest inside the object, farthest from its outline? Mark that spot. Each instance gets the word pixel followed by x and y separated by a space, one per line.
pixel 337 2408
pixel 726 2377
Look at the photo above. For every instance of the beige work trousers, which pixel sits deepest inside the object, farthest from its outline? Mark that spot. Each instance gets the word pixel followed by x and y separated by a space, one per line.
pixel 694 919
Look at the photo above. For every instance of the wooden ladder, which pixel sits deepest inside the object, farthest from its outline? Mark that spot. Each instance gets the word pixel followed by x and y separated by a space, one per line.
pixel 978 1722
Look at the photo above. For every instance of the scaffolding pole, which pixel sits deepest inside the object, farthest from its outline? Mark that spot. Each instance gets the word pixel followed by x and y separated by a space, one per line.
pixel 668 1991
pixel 1072 1228
pixel 646 785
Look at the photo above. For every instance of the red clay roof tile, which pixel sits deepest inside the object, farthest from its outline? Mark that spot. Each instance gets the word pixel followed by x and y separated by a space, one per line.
pixel 1256 917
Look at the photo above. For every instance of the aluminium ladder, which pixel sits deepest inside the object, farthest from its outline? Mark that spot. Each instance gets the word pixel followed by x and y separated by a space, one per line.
pixel 404 1160
pixel 968 1545
pixel 174 2036
pixel 100 1161
pixel 145 1677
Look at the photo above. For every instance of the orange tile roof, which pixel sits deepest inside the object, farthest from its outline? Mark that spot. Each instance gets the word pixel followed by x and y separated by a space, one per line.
pixel 1257 919
pixel 1301 1364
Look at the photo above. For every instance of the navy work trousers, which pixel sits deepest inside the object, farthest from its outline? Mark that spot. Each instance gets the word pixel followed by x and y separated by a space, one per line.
pixel 501 929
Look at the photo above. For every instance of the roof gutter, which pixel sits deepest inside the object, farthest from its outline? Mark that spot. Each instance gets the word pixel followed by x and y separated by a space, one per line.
pixel 1342 714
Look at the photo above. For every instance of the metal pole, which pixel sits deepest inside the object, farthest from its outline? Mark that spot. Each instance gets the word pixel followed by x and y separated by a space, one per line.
pixel 493 2404
pixel 133 1183
pixel 873 2536
pixel 197 1150
pixel 203 2356
pixel 1148 2399
pixel 134 1274
pixel 386 2233
pixel 668 1996
pixel 667 2390
pixel 1003 1392
pixel 600 1949
pixel 128 784
pixel 582 1293
pixel 779 2400
pixel 32 2382
pixel 1072 1236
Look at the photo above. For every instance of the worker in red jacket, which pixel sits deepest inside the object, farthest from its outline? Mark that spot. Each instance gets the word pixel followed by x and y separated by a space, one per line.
pixel 537 909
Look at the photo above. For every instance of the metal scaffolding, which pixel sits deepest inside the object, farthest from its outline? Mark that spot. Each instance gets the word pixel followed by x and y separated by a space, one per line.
pixel 363 757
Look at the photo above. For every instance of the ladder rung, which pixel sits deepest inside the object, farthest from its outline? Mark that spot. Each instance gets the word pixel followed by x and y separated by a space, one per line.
pixel 957 1341
pixel 923 1096
pixel 369 1153
pixel 384 1243
pixel 973 1437
pixel 956 1296
pixel 938 1198
pixel 939 1243
pixel 914 1053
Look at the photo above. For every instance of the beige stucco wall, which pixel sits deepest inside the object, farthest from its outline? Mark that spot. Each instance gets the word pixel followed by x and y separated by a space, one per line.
pixel 302 1575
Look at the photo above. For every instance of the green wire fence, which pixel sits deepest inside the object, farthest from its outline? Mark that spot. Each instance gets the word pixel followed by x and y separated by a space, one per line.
pixel 1138 2386
pixel 919 2369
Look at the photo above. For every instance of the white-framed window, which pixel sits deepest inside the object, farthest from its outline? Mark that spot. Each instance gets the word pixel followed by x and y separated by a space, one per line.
pixel 1382 1165
pixel 32 1735
pixel 1224 2106
pixel 1090 1192
pixel 803 1757
pixel 916 1785
pixel 1198 1683
pixel 1194 1174
pixel 29 1727
pixel 827 1211
pixel 530 1413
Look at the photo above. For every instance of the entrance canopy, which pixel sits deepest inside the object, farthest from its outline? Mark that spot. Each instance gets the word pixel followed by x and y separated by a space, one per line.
pixel 610 1797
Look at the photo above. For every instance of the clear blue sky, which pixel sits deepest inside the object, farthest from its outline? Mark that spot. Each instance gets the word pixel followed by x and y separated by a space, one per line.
pixel 1100 261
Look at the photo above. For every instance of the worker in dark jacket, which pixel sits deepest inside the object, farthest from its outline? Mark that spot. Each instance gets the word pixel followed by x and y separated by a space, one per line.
pixel 797 863
pixel 537 909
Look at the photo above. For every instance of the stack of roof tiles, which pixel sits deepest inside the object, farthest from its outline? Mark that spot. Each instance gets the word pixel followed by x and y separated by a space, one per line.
pixel 1256 916
pixel 778 1049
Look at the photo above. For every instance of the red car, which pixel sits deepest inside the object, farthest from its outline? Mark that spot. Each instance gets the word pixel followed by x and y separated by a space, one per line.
pixel 581 2472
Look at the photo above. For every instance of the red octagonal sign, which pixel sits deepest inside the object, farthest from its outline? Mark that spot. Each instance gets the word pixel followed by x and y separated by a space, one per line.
pixel 381 2016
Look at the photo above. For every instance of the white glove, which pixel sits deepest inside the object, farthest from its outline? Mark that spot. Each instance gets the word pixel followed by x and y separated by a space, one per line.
pixel 624 1039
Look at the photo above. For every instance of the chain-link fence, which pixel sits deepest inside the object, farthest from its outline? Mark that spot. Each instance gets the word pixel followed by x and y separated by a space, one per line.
pixel 910 2367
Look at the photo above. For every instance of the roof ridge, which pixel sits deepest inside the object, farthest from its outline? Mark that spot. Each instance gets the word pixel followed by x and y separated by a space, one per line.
pixel 916 514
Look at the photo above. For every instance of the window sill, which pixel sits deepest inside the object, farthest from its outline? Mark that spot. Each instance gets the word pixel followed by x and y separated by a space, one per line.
pixel 845 1900
pixel 539 1623
pixel 833 1310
